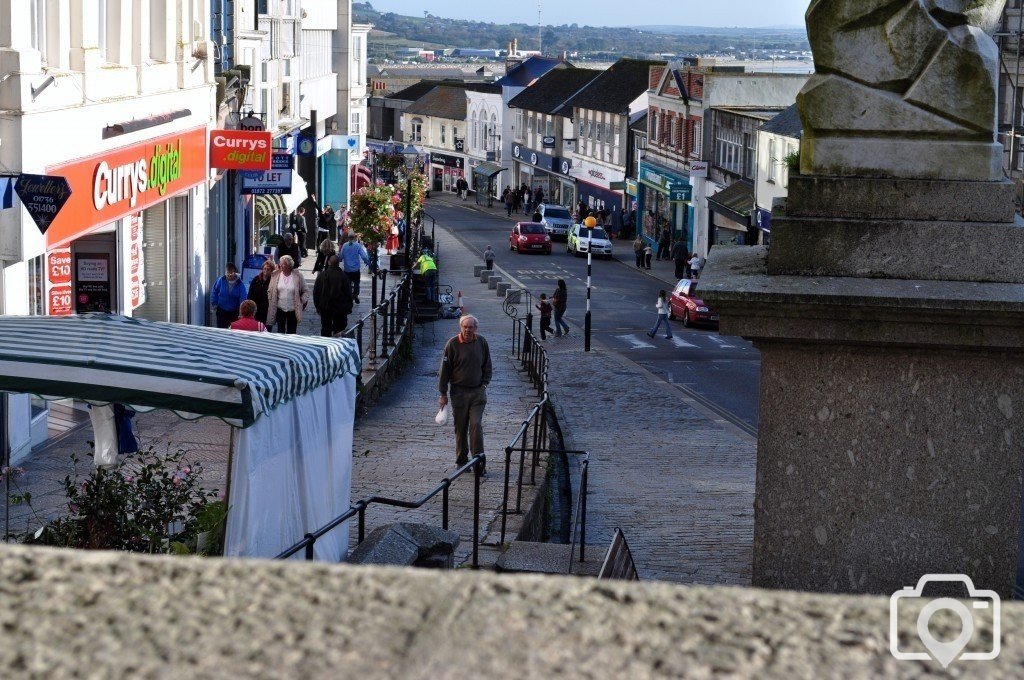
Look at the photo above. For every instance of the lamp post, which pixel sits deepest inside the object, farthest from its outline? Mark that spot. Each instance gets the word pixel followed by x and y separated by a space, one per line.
pixel 410 154
pixel 589 223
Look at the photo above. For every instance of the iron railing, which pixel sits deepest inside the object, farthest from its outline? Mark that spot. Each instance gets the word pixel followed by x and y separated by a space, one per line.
pixel 359 509
pixel 531 440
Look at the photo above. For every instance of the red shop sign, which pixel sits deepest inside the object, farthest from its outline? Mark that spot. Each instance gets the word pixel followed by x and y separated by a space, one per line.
pixel 58 267
pixel 60 301
pixel 240 150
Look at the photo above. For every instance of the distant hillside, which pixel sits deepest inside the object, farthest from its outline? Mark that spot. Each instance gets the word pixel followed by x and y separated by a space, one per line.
pixel 638 42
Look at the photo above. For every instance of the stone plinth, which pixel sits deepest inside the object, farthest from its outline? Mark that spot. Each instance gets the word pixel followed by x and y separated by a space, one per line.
pixel 890 436
pixel 940 230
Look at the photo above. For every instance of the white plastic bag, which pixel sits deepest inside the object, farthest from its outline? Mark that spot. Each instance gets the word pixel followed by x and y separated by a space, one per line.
pixel 443 414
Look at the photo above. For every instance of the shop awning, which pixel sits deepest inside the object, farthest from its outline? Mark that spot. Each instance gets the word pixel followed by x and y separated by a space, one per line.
pixel 735 202
pixel 487 169
pixel 192 371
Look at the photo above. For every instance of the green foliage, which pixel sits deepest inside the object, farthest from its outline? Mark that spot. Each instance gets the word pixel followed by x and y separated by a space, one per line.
pixel 792 161
pixel 372 212
pixel 146 503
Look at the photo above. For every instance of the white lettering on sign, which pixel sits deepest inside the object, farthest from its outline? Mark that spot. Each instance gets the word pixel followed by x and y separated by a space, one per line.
pixel 112 185
pixel 244 144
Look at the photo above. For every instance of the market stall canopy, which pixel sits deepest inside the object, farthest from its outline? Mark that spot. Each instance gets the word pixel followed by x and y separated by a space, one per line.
pixel 487 169
pixel 194 372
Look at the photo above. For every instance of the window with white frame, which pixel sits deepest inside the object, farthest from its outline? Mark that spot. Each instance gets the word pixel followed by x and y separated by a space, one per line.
pixel 474 131
pixel 357 60
pixel 729 151
pixel 697 142
pixel 416 129
pixel 771 160
pixel 101 38
pixel 37 26
pixel 652 128
pixel 493 136
pixel 617 135
pixel 443 130
pixel 356 124
pixel 529 124
pixel 608 133
pixel 520 124
pixel 549 126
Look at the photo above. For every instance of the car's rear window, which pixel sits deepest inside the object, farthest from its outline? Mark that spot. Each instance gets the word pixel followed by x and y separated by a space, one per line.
pixel 531 228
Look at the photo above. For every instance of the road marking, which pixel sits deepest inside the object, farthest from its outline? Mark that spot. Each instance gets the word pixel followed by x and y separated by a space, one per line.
pixel 635 341
pixel 722 344
pixel 682 344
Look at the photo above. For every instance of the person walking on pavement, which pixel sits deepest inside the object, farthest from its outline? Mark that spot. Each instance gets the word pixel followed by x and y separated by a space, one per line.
pixel 227 295
pixel 259 291
pixel 332 298
pixel 298 229
pixel 288 297
pixel 323 252
pixel 664 244
pixel 679 256
pixel 662 306
pixel 695 266
pixel 290 248
pixel 559 302
pixel 353 257
pixel 489 258
pixel 638 251
pixel 466 373
pixel 506 197
pixel 545 316
pixel 648 254
pixel 246 319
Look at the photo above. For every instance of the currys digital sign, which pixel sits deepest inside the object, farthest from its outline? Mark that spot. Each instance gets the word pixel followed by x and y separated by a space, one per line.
pixel 109 186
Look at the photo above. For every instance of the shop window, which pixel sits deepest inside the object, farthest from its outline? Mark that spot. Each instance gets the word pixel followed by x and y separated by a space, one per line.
pixel 37 286
pixel 529 125
pixel 520 122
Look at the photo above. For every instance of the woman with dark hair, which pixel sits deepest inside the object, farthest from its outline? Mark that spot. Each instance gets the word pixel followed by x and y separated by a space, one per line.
pixel 558 301
pixel 662 307
pixel 259 291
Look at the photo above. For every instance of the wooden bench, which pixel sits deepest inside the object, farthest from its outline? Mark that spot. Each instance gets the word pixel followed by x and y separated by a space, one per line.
pixel 618 561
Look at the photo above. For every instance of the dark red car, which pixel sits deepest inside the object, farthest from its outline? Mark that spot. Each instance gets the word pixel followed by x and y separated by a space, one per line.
pixel 529 237
pixel 684 304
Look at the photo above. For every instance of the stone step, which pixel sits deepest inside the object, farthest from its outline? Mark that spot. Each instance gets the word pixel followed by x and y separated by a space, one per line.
pixel 549 558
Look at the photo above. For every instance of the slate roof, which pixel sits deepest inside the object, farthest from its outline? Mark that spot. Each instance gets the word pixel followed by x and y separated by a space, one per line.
pixel 414 92
pixel 549 94
pixel 441 102
pixel 530 70
pixel 787 124
pixel 618 87
pixel 639 122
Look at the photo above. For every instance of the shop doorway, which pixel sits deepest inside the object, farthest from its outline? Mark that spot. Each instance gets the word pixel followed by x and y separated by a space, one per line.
pixel 94 271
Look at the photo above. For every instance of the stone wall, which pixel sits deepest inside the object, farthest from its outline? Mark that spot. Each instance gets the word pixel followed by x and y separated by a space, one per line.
pixel 73 614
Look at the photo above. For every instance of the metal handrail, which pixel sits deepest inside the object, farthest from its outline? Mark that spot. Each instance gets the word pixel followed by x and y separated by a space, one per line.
pixel 359 508
pixel 580 520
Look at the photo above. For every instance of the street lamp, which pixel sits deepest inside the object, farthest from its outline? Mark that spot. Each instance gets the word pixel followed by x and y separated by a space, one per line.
pixel 589 223
pixel 410 154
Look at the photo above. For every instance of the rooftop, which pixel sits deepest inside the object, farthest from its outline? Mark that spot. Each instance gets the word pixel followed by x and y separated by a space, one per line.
pixel 441 102
pixel 617 87
pixel 415 92
pixel 530 70
pixel 553 89
pixel 787 124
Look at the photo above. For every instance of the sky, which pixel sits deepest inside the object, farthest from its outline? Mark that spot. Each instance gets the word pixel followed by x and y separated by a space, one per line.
pixel 746 13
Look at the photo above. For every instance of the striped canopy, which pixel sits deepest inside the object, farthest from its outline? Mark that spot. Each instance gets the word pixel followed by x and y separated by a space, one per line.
pixel 195 372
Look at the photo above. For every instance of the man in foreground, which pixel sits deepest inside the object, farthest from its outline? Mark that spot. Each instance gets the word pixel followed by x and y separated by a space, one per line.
pixel 466 372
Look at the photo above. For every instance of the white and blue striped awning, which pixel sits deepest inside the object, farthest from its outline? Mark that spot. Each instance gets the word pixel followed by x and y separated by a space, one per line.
pixel 190 370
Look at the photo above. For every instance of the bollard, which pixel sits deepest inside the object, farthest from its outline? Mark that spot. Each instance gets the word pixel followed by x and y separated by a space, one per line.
pixel 477 269
pixel 484 275
pixel 502 288
pixel 492 283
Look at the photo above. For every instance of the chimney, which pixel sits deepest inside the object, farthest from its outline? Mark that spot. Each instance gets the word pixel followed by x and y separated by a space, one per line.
pixel 565 56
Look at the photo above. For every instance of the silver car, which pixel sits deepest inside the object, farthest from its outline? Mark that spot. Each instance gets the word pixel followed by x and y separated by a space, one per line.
pixel 556 220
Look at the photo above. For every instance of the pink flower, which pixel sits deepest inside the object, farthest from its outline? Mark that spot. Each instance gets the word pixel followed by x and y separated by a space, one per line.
pixel 73 508
pixel 129 479
pixel 187 470
pixel 176 481
pixel 222 496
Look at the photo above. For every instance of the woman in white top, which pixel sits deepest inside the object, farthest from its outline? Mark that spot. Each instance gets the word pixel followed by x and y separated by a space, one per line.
pixel 662 306
pixel 287 294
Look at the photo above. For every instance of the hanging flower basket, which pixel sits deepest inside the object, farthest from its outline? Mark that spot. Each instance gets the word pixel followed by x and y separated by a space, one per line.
pixel 372 212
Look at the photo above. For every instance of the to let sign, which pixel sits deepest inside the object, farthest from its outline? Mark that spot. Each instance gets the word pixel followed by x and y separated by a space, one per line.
pixel 240 150
pixel 43 196
pixel 277 180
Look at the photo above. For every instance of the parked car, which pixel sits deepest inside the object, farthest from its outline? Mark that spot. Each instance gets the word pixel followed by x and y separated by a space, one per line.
pixel 529 237
pixel 684 304
pixel 579 243
pixel 556 219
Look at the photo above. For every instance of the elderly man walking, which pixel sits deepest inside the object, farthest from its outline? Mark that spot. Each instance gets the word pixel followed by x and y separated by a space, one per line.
pixel 466 372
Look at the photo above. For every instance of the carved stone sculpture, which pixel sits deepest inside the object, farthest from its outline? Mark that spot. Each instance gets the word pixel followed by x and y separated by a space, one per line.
pixel 904 88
